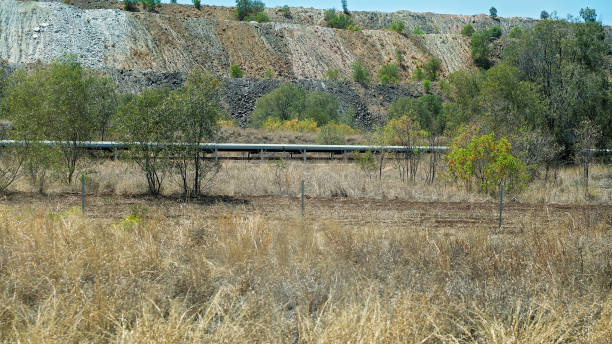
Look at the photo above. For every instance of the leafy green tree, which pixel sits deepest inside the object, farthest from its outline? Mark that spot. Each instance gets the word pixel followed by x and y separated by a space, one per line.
pixel 360 74
pixel 321 107
pixel 196 3
pixel 467 30
pixel 515 32
pixel 345 6
pixel 129 5
pixel 588 14
pixel 544 15
pixel 195 110
pixel 286 102
pixel 145 123
pixel 427 86
pixel 70 105
pixel 481 48
pixel 494 32
pixel 235 71
pixel 388 74
pixel 337 21
pixel 432 67
pixel 260 17
pixel 286 11
pixel 246 8
pixel 493 12
pixel 489 162
pixel 150 5
pixel 397 26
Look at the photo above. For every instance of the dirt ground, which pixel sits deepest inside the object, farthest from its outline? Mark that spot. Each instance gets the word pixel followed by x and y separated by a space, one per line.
pixel 344 212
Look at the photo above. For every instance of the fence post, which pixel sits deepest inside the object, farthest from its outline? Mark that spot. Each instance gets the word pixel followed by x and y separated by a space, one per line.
pixel 304 154
pixel 83 194
pixel 501 204
pixel 302 198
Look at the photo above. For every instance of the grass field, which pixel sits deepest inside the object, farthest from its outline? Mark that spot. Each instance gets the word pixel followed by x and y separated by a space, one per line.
pixel 385 263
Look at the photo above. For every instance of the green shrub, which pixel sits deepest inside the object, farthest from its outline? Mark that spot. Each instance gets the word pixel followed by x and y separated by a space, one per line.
pixel 399 56
pixel 417 31
pixel 418 74
pixel 489 163
pixel 260 17
pixel 397 26
pixel 268 74
pixel 331 134
pixel 481 49
pixel 235 71
pixel 493 12
pixel 285 102
pixel 338 21
pixel 467 30
pixel 150 5
pixel 426 86
pixel 321 107
pixel 388 74
pixel 332 75
pixel 352 27
pixel 285 11
pixel 196 3
pixel 432 67
pixel 516 32
pixel 247 8
pixel 360 74
pixel 495 32
pixel 129 5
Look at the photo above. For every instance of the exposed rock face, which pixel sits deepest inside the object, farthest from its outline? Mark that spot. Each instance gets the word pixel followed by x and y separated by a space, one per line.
pixel 142 49
pixel 369 101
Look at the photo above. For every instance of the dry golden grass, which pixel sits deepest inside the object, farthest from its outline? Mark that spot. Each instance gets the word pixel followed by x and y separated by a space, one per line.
pixel 372 266
pixel 337 179
pixel 170 272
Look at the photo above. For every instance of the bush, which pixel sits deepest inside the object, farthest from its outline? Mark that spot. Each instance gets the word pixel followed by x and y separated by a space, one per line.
pixel 143 120
pixel 418 74
pixel 426 86
pixel 129 5
pixel 338 21
pixel 321 107
pixel 332 75
pixel 489 163
pixel 235 71
pixel 417 31
pixel 467 30
pixel 399 56
pixel 150 5
pixel 481 49
pixel 260 17
pixel 247 8
pixel 544 15
pixel 268 74
pixel 360 74
pixel 285 11
pixel 397 26
pixel 286 102
pixel 302 126
pixel 388 74
pixel 432 67
pixel 515 32
pixel 493 12
pixel 495 32
pixel 331 134
pixel 196 3
pixel 61 102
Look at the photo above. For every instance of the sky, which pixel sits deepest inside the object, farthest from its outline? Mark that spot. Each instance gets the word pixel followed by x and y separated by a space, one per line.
pixel 515 8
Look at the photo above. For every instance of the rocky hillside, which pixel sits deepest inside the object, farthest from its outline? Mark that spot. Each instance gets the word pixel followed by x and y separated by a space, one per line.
pixel 144 49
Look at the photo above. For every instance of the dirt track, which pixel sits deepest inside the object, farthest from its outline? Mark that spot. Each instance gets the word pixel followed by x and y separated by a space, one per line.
pixel 343 212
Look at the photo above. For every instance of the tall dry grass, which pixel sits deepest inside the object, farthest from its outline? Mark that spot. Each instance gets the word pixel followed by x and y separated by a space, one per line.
pixel 338 179
pixel 230 274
